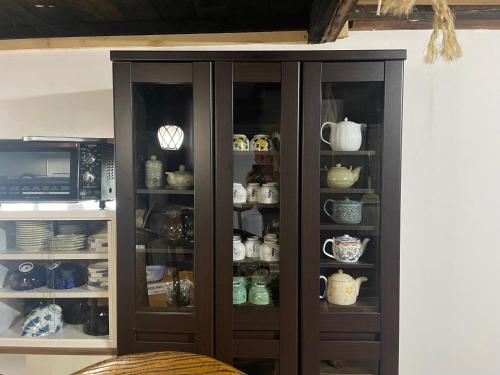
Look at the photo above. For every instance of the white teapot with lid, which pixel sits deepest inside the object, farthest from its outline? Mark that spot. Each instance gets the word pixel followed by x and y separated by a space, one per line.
pixel 341 288
pixel 344 135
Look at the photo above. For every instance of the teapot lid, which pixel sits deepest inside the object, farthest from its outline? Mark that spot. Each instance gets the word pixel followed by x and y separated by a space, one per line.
pixel 341 276
pixel 182 167
pixel 153 157
pixel 347 238
pixel 350 202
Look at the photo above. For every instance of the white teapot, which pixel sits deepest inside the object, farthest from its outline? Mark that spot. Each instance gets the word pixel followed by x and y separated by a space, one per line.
pixel 344 135
pixel 341 288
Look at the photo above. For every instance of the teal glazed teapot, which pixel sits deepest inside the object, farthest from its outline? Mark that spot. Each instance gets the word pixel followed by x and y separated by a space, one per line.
pixel 345 211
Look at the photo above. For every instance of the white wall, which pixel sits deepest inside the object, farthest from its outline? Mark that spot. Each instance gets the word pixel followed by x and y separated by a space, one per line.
pixel 450 188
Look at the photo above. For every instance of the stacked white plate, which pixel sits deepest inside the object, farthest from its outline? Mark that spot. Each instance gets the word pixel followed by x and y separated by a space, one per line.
pixel 33 235
pixel 71 236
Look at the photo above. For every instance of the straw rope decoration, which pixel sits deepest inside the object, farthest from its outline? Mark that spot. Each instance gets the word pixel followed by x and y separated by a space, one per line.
pixel 444 22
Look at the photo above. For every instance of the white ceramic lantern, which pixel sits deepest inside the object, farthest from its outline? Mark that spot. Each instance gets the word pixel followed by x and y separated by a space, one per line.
pixel 170 137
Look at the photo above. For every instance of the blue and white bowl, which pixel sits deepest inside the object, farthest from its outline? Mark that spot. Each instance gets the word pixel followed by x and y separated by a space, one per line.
pixel 62 275
pixel 43 321
pixel 27 276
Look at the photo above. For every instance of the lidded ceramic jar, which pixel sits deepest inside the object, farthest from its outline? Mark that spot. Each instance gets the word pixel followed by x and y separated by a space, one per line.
pixel 261 142
pixel 240 142
pixel 252 245
pixel 154 172
pixel 253 192
pixel 270 249
pixel 239 250
pixel 239 193
pixel 181 179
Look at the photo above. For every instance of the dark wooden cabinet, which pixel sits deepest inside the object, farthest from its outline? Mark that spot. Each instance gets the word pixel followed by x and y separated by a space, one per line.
pixel 278 101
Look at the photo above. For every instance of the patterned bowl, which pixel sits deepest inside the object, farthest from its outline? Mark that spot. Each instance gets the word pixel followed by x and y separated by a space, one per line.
pixel 62 275
pixel 43 321
pixel 28 276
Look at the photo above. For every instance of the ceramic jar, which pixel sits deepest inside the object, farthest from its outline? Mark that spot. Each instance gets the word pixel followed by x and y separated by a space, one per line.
pixel 239 293
pixel 259 294
pixel 345 248
pixel 239 250
pixel 269 193
pixel 341 288
pixel 252 245
pixel 96 321
pixel 345 211
pixel 239 193
pixel 181 179
pixel 261 142
pixel 240 142
pixel 270 249
pixel 342 177
pixel 344 135
pixel 252 192
pixel 154 172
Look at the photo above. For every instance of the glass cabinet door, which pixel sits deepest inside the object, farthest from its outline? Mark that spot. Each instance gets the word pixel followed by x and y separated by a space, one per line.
pixel 169 222
pixel 257 177
pixel 351 174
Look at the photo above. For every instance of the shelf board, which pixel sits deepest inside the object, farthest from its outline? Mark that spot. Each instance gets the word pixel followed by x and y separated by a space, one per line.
pixel 249 206
pixel 336 264
pixel 250 260
pixel 45 255
pixel 53 212
pixel 327 369
pixel 359 227
pixel 345 191
pixel 44 292
pixel 166 191
pixel 347 153
pixel 249 307
pixel 70 336
pixel 363 305
pixel 167 251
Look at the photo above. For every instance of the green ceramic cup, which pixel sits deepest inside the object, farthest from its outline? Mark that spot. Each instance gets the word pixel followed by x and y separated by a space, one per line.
pixel 239 293
pixel 259 294
pixel 240 279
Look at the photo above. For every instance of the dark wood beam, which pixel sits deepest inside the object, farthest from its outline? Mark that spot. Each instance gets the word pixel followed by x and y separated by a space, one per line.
pixel 363 17
pixel 326 19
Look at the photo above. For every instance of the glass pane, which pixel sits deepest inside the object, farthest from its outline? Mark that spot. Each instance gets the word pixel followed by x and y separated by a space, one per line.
pixel 163 124
pixel 350 195
pixel 344 367
pixel 256 197
pixel 257 366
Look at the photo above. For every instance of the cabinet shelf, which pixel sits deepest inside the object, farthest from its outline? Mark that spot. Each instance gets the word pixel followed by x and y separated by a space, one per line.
pixel 335 264
pixel 347 153
pixel 249 206
pixel 346 191
pixel 167 251
pixel 166 191
pixel 363 305
pixel 263 153
pixel 44 292
pixel 39 255
pixel 359 227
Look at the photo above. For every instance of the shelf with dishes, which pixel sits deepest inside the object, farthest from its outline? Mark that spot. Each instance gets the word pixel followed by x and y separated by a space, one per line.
pixel 45 292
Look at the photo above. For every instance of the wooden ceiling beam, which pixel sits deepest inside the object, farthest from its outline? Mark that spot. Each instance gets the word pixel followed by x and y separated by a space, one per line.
pixel 327 19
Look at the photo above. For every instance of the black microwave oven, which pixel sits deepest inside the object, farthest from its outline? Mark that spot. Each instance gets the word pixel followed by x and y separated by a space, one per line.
pixel 37 170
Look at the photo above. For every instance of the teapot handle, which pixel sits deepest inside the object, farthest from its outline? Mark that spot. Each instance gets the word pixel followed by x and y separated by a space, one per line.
pixel 322 127
pixel 324 207
pixel 332 255
pixel 322 296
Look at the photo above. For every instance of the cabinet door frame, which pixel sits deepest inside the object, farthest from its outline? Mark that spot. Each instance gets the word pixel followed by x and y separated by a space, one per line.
pixel 386 349
pixel 284 347
pixel 199 324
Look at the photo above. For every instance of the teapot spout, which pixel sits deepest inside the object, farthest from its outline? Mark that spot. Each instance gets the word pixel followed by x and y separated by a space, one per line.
pixel 359 281
pixel 363 245
pixel 355 173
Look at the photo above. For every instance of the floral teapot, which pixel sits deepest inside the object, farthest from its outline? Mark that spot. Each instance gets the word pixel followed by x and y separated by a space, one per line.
pixel 342 177
pixel 341 288
pixel 344 135
pixel 345 248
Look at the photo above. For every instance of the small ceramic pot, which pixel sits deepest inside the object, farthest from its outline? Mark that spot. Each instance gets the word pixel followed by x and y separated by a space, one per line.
pixel 252 245
pixel 270 249
pixel 344 212
pixel 269 193
pixel 239 293
pixel 240 142
pixel 259 294
pixel 239 193
pixel 252 192
pixel 261 142
pixel 239 249
pixel 180 179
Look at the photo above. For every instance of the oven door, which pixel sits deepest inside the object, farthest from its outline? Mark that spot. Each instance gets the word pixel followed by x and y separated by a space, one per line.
pixel 38 171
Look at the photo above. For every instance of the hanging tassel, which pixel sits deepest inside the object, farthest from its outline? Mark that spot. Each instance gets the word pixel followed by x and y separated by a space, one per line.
pixel 444 23
pixel 449 48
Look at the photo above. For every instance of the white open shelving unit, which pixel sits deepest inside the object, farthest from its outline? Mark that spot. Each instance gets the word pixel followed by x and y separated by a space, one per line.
pixel 71 337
